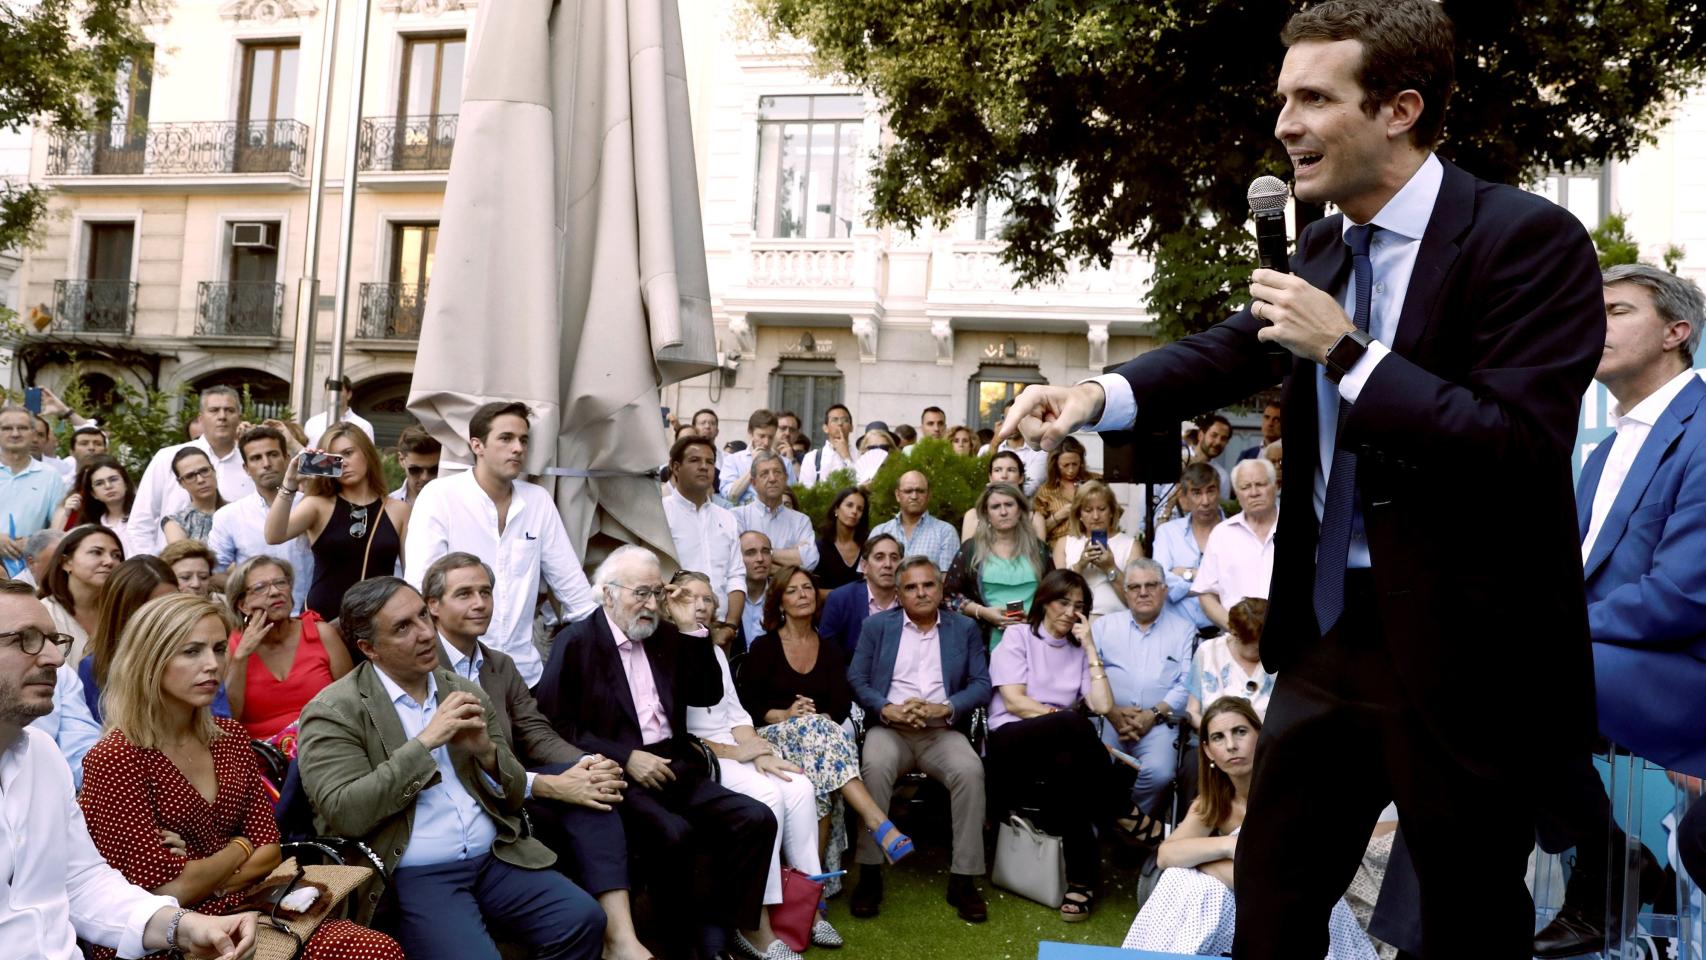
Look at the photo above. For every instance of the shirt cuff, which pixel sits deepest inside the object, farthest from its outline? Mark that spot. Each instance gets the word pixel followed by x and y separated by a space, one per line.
pixel 1119 407
pixel 1351 384
pixel 530 776
pixel 135 925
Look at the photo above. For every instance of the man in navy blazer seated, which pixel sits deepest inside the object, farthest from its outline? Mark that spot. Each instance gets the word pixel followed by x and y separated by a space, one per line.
pixel 619 683
pixel 918 673
pixel 1641 508
pixel 849 605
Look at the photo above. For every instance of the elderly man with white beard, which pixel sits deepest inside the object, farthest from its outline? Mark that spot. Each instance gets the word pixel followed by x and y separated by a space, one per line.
pixel 618 684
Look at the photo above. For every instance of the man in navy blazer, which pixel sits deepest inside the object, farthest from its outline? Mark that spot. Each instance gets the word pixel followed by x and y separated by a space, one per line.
pixel 1641 510
pixel 848 606
pixel 1439 332
pixel 918 674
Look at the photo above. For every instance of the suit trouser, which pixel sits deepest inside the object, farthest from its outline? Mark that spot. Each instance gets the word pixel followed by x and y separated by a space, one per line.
pixel 591 843
pixel 793 802
pixel 946 756
pixel 445 909
pixel 1340 741
pixel 1056 764
pixel 1157 754
pixel 691 816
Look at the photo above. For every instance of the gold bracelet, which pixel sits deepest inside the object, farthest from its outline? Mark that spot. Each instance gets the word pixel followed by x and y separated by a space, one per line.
pixel 248 848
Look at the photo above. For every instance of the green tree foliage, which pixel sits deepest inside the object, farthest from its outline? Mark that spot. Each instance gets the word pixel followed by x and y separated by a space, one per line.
pixel 1616 245
pixel 140 422
pixel 955 482
pixel 1138 122
pixel 59 63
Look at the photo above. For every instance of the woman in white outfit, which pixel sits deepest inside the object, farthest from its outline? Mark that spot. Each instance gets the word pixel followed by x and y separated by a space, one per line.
pixel 1192 910
pixel 748 765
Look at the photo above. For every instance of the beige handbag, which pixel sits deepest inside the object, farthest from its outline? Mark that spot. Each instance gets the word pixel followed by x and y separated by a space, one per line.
pixel 1030 862
pixel 281 933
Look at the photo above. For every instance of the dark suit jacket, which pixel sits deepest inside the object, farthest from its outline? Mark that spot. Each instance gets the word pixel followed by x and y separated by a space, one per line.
pixel 844 614
pixel 530 734
pixel 965 663
pixel 584 692
pixel 1501 330
pixel 1646 587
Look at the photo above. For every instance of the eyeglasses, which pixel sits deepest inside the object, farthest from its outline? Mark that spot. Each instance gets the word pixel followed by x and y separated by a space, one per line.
pixel 30 640
pixel 280 585
pixel 645 594
pixel 195 475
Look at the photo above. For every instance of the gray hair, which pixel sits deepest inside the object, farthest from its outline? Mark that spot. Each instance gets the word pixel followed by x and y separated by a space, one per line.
pixel 237 579
pixel 41 542
pixel 222 390
pixel 1677 299
pixel 1261 463
pixel 1148 566
pixel 362 603
pixel 438 575
pixel 605 576
pixel 765 456
pixel 918 560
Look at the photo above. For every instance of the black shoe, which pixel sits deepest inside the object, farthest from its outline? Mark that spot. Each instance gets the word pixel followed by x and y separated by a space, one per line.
pixel 963 895
pixel 868 894
pixel 1570 934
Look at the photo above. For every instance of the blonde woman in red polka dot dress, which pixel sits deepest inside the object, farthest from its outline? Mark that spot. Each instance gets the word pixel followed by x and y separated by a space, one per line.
pixel 172 795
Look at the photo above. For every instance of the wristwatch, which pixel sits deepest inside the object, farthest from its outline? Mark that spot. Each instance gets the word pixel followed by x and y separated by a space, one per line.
pixel 1189 574
pixel 1345 353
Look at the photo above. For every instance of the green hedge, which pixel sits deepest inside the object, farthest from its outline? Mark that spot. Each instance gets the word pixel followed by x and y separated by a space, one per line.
pixel 955 483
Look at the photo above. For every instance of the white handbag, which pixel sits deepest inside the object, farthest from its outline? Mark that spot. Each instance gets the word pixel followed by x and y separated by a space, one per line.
pixel 1030 862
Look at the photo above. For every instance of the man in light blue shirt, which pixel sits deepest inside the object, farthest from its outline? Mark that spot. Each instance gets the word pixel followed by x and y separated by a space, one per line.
pixel 757 557
pixel 918 533
pixel 1147 650
pixel 735 480
pixel 1179 542
pixel 790 532
pixel 29 491
pixel 70 724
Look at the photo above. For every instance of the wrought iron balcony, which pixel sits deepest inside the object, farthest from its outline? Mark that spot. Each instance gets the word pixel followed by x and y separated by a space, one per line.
pixel 94 306
pixel 209 148
pixel 238 309
pixel 392 311
pixel 407 143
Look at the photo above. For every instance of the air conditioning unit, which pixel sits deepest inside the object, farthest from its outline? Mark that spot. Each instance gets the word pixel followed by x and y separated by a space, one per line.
pixel 253 236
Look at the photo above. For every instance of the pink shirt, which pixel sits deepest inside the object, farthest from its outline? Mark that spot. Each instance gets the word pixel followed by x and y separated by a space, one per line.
pixel 872 607
pixel 642 686
pixel 918 665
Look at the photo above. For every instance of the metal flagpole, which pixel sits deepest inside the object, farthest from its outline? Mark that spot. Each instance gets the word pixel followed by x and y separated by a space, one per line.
pixel 346 227
pixel 308 288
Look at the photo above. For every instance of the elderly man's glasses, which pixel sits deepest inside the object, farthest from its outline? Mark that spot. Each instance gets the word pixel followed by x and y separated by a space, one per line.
pixel 645 594
pixel 30 640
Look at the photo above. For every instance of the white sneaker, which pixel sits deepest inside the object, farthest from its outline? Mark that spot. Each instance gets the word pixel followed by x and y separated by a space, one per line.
pixel 776 951
pixel 824 935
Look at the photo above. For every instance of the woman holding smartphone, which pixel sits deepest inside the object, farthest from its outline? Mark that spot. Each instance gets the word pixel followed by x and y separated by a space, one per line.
pixel 995 576
pixel 1094 547
pixel 355 530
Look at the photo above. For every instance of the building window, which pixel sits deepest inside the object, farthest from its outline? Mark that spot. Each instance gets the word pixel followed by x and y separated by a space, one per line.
pixel 992 388
pixel 808 154
pixel 122 145
pixel 429 94
pixel 265 134
pixel 412 249
pixel 989 217
pixel 808 388
pixel 110 247
pixel 1585 193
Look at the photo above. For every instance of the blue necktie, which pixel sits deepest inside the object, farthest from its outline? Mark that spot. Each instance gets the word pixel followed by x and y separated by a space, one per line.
pixel 1339 514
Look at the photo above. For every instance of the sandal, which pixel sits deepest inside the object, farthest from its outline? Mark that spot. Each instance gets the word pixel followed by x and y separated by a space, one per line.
pixel 1144 830
pixel 1076 910
pixel 896 848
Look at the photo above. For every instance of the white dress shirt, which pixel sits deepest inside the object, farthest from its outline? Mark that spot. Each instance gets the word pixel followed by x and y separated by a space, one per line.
pixel 238 534
pixel 317 426
pixel 450 824
pixel 707 539
pixel 821 462
pixel 159 495
pixel 1632 430
pixel 787 528
pixel 1392 255
pixel 453 513
pixel 58 887
pixel 1236 563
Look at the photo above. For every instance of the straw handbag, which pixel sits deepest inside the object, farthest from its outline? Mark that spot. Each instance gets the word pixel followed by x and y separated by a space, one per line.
pixel 281 932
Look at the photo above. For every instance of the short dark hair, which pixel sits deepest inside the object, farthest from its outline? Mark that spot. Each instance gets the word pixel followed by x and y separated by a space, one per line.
pixel 415 439
pixel 917 560
pixel 1199 475
pixel 760 419
pixel 1276 403
pixel 834 407
pixel 875 540
pixel 1009 455
pixel 1406 45
pixel 929 410
pixel 362 603
pixel 88 428
pixel 1057 583
pixel 17 588
pixel 257 434
pixel 678 449
pixel 781 414
pixel 186 453
pixel 438 575
pixel 480 425
pixel 905 433
pixel 1209 420
pixel 702 411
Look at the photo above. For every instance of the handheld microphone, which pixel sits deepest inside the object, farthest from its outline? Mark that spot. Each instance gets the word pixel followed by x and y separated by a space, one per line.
pixel 1267 196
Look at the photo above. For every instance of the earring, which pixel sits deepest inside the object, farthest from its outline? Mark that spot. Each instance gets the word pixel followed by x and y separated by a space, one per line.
pixel 1213 767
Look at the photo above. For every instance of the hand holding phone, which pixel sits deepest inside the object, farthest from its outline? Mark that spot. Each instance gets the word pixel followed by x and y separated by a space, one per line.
pixel 1015 611
pixel 319 463
pixel 32 400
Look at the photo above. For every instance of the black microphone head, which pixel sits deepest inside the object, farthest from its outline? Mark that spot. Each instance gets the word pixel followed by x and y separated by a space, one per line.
pixel 1267 195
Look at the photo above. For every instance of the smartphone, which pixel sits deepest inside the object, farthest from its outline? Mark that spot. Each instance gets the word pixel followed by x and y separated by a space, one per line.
pixel 318 463
pixel 1099 538
pixel 32 400
pixel 1015 610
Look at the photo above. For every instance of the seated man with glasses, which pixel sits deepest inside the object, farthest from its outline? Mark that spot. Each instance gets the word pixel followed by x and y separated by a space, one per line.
pixel 1147 649
pixel 619 683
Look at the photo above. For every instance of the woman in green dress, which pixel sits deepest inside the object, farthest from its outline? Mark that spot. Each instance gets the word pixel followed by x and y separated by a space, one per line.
pixel 995 575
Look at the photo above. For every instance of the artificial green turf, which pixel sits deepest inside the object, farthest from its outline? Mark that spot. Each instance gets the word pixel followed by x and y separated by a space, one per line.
pixel 917 922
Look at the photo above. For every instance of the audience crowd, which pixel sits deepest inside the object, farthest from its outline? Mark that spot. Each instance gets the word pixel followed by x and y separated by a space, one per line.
pixel 719 730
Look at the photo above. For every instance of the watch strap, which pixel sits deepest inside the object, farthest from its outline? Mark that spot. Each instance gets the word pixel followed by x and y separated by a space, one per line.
pixel 1345 353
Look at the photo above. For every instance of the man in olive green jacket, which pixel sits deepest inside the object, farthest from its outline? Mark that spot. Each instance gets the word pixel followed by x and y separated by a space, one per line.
pixel 413 760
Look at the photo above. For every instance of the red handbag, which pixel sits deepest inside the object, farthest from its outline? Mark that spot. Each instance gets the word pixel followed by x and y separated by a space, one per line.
pixel 793 918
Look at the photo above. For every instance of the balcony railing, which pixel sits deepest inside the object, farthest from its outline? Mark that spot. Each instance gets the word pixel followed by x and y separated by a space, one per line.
pixel 216 147
pixel 238 309
pixel 406 143
pixel 392 311
pixel 94 306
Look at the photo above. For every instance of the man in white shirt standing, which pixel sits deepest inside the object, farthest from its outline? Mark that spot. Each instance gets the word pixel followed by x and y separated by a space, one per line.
pixel 319 423
pixel 707 537
pixel 58 887
pixel 790 532
pixel 239 527
pixel 509 523
pixel 418 453
pixel 837 450
pixel 1239 559
pixel 158 493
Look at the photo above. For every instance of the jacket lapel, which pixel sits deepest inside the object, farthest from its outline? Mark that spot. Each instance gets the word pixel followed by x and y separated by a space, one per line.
pixel 1656 447
pixel 615 676
pixel 886 655
pixel 380 708
pixel 953 654
pixel 1454 211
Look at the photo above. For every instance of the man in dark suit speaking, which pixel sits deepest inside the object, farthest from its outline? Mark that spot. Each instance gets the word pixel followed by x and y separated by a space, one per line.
pixel 1441 331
